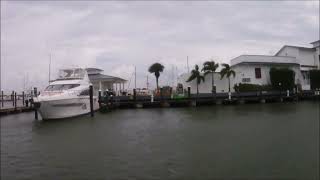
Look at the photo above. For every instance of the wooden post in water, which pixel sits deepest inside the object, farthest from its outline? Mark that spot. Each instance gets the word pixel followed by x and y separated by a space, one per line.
pixel 2 98
pixel 189 92
pixel 23 98
pixel 35 92
pixel 134 95
pixel 12 98
pixel 35 108
pixel 15 100
pixel 91 100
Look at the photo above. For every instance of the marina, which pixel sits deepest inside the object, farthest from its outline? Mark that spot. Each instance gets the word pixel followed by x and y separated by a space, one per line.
pixel 160 90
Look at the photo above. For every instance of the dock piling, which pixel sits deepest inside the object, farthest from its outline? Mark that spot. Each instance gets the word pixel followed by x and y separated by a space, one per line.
pixel 12 98
pixel 23 98
pixel 134 95
pixel 91 100
pixel 35 108
pixel 15 100
pixel 35 92
pixel 2 98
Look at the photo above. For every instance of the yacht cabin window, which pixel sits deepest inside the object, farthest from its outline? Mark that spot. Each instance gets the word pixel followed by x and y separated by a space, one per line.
pixel 61 87
pixel 71 74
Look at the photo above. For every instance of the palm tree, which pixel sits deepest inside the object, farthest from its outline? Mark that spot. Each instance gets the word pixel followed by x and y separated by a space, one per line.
pixel 227 71
pixel 210 67
pixel 195 74
pixel 156 68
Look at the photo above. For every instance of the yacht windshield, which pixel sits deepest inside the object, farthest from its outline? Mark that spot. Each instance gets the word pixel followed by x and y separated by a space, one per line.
pixel 71 73
pixel 61 87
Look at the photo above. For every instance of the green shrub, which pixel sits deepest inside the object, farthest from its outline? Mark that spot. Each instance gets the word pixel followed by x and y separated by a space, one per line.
pixel 315 79
pixel 251 87
pixel 282 78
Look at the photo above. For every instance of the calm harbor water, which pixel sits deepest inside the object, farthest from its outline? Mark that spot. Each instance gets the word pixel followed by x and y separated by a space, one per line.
pixel 250 141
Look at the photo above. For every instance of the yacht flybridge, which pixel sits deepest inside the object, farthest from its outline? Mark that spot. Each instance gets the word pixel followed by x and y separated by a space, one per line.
pixel 66 96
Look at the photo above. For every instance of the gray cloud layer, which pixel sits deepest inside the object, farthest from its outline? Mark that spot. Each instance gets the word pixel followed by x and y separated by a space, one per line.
pixel 115 36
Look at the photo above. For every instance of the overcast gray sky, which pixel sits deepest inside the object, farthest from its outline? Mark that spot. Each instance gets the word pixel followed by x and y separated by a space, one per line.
pixel 116 36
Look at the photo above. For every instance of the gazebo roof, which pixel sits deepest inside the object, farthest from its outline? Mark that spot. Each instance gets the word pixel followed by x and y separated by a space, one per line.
pixel 105 78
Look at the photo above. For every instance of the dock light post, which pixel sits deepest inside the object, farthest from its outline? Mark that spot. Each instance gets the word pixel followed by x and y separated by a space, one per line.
pixel 281 100
pixel 280 88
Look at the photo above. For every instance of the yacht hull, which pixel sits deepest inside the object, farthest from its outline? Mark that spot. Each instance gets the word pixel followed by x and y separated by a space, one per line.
pixel 64 108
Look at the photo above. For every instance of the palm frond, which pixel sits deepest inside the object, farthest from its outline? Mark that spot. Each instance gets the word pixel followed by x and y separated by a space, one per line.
pixel 191 78
pixel 233 73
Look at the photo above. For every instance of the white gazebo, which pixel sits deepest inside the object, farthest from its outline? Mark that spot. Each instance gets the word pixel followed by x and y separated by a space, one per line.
pixel 104 82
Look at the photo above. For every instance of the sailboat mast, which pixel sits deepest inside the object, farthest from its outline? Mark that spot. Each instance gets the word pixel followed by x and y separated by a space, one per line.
pixel 147 82
pixel 49 66
pixel 135 77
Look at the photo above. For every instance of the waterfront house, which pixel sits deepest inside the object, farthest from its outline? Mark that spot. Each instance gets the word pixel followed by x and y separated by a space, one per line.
pixel 103 82
pixel 254 69
pixel 307 57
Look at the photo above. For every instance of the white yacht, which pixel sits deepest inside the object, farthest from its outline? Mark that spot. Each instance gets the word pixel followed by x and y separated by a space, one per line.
pixel 66 96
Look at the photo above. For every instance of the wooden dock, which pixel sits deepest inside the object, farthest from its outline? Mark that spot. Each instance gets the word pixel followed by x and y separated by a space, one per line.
pixel 204 99
pixel 14 110
pixel 134 101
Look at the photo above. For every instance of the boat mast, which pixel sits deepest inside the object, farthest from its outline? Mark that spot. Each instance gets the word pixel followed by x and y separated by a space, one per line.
pixel 147 83
pixel 135 77
pixel 49 66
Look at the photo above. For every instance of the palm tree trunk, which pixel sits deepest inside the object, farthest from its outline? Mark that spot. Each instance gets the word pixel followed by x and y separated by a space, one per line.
pixel 157 83
pixel 197 91
pixel 213 87
pixel 212 84
pixel 229 83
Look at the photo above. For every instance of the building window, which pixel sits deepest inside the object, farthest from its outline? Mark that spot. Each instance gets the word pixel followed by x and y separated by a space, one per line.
pixel 246 80
pixel 258 73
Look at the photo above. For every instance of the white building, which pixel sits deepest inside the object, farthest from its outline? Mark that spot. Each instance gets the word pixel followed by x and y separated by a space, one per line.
pixel 254 69
pixel 308 58
pixel 205 87
pixel 103 82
